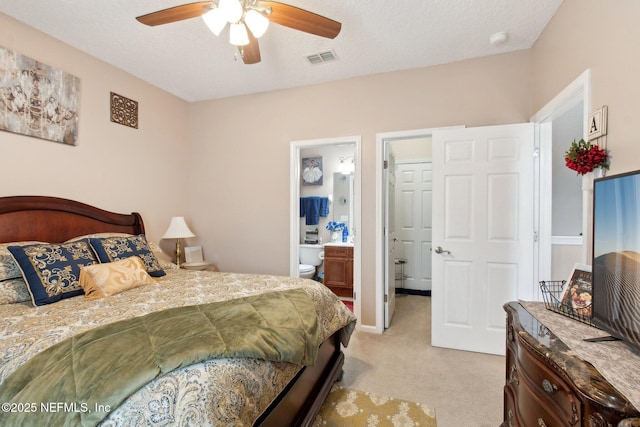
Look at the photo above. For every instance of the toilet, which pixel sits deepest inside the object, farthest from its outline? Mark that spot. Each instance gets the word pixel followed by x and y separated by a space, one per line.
pixel 310 256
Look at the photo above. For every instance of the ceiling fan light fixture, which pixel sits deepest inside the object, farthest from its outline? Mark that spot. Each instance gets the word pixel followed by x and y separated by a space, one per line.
pixel 215 20
pixel 257 23
pixel 232 10
pixel 238 35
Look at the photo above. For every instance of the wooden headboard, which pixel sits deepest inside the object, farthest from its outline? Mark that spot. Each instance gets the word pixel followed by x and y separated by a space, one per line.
pixel 55 220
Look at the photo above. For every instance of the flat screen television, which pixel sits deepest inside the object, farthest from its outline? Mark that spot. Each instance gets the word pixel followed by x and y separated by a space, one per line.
pixel 616 256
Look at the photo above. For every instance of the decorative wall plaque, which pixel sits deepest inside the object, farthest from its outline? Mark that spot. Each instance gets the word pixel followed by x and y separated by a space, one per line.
pixel 598 123
pixel 124 110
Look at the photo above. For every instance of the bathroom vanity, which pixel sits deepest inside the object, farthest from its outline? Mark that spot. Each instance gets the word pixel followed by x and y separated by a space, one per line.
pixel 338 268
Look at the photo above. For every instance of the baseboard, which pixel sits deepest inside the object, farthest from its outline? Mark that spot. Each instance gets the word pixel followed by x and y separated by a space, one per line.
pixel 369 328
pixel 405 291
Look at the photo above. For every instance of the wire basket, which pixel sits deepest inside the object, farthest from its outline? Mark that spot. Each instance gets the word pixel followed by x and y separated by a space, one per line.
pixel 552 296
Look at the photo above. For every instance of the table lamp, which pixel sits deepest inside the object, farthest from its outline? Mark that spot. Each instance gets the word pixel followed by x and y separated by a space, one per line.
pixel 178 230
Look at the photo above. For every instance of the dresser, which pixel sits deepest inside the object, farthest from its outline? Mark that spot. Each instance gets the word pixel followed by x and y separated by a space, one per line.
pixel 548 385
pixel 338 269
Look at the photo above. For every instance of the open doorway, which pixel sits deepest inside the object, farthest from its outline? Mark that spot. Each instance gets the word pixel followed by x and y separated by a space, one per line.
pixel 331 157
pixel 403 238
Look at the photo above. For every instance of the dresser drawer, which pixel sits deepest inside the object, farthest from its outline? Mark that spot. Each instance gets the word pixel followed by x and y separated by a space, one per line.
pixel 510 409
pixel 553 391
pixel 534 411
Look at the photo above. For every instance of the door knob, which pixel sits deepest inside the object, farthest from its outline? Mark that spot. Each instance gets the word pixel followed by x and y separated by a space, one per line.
pixel 439 250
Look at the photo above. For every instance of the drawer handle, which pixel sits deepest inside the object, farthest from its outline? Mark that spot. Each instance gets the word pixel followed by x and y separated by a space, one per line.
pixel 510 415
pixel 548 387
pixel 541 422
pixel 513 376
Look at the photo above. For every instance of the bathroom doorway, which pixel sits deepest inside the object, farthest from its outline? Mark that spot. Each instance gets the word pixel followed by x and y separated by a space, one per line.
pixel 336 176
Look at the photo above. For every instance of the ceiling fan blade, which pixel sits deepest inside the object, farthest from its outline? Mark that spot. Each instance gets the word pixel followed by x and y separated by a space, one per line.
pixel 178 13
pixel 251 52
pixel 302 20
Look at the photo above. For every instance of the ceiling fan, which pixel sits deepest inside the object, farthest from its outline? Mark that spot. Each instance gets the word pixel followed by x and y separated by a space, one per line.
pixel 241 15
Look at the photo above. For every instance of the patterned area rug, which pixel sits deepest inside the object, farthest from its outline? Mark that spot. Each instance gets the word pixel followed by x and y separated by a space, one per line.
pixel 347 407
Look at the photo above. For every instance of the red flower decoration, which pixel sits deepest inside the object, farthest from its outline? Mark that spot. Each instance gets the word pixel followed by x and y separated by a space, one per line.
pixel 583 157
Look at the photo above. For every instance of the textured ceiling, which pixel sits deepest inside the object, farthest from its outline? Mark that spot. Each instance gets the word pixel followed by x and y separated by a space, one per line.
pixel 187 60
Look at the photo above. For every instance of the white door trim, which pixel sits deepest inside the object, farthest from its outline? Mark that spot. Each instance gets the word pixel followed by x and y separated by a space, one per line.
pixel 381 141
pixel 578 90
pixel 294 208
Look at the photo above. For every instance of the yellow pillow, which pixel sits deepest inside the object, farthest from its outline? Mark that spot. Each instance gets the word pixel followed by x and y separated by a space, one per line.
pixel 103 280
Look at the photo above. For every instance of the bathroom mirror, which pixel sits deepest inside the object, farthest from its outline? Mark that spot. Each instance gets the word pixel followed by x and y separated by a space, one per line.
pixel 343 198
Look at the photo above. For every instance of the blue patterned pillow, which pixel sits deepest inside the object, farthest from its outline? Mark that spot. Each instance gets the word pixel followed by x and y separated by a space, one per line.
pixel 111 249
pixel 52 270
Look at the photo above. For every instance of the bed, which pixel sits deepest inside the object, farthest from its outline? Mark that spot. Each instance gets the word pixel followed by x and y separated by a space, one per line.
pixel 226 390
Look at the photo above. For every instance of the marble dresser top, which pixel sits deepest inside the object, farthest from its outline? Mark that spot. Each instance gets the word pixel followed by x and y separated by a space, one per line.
pixel 616 361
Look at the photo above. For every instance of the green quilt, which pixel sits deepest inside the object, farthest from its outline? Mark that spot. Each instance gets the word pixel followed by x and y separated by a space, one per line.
pixel 79 380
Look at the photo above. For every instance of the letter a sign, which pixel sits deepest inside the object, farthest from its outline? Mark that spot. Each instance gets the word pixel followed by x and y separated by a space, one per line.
pixel 598 123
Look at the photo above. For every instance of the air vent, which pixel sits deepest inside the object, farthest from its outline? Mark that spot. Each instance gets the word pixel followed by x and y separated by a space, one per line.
pixel 322 57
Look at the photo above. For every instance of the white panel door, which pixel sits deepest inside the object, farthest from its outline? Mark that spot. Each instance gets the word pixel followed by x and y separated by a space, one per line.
pixel 413 222
pixel 482 232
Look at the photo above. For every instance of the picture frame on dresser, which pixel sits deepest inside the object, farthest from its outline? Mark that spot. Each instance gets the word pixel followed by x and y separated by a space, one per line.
pixel 577 293
pixel 193 254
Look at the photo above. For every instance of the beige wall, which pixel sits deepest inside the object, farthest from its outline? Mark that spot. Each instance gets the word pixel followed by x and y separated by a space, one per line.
pixel 113 167
pixel 602 36
pixel 239 160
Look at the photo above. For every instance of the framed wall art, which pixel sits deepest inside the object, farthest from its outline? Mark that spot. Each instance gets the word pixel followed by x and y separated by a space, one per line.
pixel 312 171
pixel 37 100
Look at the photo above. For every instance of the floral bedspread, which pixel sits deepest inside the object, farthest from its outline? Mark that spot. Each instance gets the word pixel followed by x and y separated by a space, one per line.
pixel 220 392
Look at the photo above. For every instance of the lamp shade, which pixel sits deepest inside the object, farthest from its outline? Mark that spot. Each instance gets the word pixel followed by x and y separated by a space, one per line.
pixel 178 229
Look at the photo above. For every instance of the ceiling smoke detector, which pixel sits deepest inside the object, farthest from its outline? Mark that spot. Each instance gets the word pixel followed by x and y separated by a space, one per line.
pixel 322 57
pixel 498 38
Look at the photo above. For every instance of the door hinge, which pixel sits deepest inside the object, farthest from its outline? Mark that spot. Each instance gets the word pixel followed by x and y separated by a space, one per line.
pixel 386 298
pixel 385 164
pixel 536 152
pixel 535 236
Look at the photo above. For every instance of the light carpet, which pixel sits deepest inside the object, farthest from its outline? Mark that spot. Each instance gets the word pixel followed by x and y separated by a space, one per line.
pixel 353 408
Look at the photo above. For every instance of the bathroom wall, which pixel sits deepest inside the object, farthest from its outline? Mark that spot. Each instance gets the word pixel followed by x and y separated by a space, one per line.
pixel 330 160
